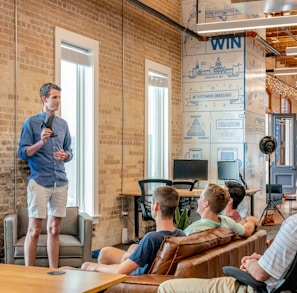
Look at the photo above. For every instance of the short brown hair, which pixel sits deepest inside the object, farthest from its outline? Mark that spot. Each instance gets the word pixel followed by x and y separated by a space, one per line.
pixel 168 199
pixel 46 88
pixel 217 197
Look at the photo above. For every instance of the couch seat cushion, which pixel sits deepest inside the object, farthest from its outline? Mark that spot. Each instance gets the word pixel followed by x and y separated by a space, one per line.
pixel 174 249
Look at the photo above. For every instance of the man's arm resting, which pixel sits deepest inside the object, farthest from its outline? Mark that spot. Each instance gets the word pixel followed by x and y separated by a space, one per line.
pixel 252 266
pixel 250 225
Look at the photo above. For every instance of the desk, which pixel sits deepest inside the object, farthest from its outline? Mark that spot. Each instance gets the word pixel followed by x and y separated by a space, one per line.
pixel 16 278
pixel 136 195
pixel 182 193
pixel 251 193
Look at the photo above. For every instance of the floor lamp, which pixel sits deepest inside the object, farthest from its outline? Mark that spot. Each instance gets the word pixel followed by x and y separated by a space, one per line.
pixel 267 146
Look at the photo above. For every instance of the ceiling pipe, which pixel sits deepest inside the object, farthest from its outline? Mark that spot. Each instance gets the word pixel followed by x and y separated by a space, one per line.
pixel 165 18
pixel 194 34
pixel 263 42
pixel 289 33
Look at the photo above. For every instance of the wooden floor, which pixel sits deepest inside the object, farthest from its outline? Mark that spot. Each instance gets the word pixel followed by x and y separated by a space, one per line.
pixel 284 210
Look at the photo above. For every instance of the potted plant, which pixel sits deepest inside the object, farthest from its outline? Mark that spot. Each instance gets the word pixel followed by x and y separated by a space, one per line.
pixel 182 220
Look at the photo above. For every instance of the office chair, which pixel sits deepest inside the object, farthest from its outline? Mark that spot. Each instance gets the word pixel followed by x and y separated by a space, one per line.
pixel 287 284
pixel 184 202
pixel 147 187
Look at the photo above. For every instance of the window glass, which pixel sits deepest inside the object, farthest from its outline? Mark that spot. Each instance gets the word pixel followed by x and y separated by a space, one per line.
pixel 76 57
pixel 157 151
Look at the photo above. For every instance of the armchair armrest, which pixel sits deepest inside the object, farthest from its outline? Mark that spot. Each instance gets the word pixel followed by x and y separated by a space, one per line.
pixel 85 234
pixel 245 278
pixel 10 236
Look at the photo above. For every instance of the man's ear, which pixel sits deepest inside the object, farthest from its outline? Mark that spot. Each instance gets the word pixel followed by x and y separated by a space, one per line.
pixel 43 99
pixel 206 204
pixel 155 206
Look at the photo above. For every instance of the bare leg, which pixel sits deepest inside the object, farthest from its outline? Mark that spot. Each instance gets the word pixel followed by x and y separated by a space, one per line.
pixel 128 252
pixel 53 243
pixel 34 229
pixel 110 255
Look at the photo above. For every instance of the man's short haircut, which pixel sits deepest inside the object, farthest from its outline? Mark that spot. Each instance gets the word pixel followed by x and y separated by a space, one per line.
pixel 168 199
pixel 46 88
pixel 217 197
pixel 237 192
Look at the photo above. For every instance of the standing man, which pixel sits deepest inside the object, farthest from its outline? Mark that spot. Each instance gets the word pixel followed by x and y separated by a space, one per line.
pixel 45 143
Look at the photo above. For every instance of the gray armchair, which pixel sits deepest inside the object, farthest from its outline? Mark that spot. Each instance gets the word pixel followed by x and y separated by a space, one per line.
pixel 75 238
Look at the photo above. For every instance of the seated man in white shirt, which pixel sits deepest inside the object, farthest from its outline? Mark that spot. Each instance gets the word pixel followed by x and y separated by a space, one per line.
pixel 269 268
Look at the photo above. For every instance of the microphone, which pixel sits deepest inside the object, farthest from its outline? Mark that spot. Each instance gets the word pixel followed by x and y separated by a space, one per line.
pixel 49 124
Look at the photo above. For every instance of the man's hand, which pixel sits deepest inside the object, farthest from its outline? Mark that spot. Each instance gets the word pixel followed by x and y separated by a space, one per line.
pixel 252 219
pixel 61 155
pixel 245 259
pixel 90 266
pixel 45 135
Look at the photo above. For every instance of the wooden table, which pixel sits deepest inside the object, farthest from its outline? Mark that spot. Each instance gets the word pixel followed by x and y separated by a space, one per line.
pixel 17 278
pixel 182 193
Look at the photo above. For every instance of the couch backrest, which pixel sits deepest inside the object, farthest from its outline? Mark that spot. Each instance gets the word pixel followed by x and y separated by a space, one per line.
pixel 69 224
pixel 208 264
pixel 174 249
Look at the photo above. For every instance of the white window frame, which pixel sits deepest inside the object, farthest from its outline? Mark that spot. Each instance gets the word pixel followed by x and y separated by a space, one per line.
pixel 164 70
pixel 90 172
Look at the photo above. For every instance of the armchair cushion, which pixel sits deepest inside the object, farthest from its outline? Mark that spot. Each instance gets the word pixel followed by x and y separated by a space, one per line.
pixel 69 224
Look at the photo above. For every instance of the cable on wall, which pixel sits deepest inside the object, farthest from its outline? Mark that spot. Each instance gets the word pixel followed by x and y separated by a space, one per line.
pixel 15 99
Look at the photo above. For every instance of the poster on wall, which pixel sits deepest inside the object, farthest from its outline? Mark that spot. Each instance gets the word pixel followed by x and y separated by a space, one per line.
pixel 223 94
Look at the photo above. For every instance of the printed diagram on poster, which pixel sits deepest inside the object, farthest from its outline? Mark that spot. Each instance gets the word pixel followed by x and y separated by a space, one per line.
pixel 196 125
pixel 212 67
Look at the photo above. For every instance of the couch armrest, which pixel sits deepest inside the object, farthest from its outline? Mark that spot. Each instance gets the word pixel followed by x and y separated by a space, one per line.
pixel 85 233
pixel 148 283
pixel 10 236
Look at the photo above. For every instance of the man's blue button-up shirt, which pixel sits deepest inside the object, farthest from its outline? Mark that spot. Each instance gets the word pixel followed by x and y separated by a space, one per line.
pixel 44 169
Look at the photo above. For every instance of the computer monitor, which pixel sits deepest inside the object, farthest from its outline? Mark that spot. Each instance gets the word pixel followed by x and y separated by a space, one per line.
pixel 228 170
pixel 190 169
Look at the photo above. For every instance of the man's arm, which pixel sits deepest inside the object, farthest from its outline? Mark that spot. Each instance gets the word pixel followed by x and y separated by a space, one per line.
pixel 250 225
pixel 127 267
pixel 33 149
pixel 252 267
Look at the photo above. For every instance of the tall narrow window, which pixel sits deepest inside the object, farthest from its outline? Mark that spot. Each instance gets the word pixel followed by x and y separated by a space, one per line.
pixel 285 105
pixel 157 120
pixel 76 72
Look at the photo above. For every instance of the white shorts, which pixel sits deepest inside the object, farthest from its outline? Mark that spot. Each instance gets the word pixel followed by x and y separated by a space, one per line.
pixel 43 201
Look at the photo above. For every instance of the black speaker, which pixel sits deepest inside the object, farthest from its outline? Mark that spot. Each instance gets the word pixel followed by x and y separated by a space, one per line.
pixel 267 144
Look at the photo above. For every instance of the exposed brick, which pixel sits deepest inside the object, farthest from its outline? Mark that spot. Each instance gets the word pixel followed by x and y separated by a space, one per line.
pixel 29 62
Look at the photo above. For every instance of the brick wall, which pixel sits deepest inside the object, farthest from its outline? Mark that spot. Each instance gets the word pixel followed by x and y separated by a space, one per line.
pixel 27 61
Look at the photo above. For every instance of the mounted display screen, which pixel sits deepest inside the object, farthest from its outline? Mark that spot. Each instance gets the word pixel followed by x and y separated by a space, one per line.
pixel 190 169
pixel 228 170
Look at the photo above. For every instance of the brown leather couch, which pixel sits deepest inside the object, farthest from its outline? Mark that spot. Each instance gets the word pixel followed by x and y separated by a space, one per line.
pixel 200 255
